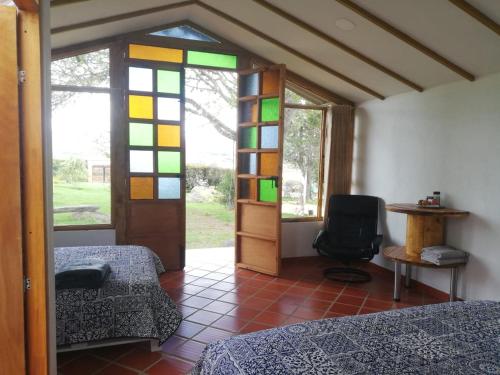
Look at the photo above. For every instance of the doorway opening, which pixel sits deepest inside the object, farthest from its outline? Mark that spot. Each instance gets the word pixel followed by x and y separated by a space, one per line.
pixel 210 139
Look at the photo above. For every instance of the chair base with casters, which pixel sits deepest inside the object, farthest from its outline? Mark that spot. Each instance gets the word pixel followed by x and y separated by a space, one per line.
pixel 349 236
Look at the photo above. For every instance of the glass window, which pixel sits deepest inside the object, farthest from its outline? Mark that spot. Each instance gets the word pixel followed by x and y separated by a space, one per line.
pixel 301 162
pixel 81 159
pixel 185 32
pixel 81 140
pixel 90 69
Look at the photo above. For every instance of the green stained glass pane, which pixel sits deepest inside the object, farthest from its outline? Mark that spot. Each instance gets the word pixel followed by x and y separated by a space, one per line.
pixel 217 60
pixel 169 162
pixel 268 192
pixel 140 134
pixel 270 109
pixel 169 82
pixel 248 137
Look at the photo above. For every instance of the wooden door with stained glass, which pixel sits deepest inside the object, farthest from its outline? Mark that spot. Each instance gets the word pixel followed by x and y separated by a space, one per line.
pixel 155 209
pixel 259 167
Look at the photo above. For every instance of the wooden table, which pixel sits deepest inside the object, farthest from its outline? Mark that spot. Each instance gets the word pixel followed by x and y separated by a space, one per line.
pixel 399 255
pixel 424 226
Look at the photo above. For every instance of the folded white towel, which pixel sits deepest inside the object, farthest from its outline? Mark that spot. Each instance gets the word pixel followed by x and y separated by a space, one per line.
pixel 443 252
pixel 444 262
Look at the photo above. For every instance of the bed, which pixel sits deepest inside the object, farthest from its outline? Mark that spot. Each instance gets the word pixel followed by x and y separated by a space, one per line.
pixel 450 338
pixel 129 306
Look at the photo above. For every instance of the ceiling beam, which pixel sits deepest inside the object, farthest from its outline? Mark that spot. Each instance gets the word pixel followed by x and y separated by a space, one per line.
pixel 290 50
pixel 477 14
pixel 119 17
pixel 56 3
pixel 27 5
pixel 406 38
pixel 298 22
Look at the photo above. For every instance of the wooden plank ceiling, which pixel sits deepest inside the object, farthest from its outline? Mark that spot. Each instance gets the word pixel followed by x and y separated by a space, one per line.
pixel 358 49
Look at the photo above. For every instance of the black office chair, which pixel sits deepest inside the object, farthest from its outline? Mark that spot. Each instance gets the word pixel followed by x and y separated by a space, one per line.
pixel 350 235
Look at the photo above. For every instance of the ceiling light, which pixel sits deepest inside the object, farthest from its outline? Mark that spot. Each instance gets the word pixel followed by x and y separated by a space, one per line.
pixel 344 24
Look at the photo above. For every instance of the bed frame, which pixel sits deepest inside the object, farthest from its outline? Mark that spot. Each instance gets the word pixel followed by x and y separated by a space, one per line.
pixel 154 344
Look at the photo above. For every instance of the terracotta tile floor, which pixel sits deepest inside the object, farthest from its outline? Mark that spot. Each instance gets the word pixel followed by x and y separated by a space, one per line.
pixel 218 301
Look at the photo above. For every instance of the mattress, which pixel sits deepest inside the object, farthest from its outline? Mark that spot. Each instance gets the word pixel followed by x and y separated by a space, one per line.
pixel 130 304
pixel 449 338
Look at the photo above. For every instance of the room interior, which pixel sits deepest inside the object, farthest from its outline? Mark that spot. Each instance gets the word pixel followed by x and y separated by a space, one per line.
pixel 408 93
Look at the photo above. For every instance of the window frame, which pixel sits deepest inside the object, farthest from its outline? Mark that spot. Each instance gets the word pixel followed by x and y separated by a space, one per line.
pixel 319 209
pixel 91 90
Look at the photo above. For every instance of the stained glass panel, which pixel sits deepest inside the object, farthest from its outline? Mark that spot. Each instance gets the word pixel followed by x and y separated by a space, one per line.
pixel 169 136
pixel 140 134
pixel 169 81
pixel 249 85
pixel 169 162
pixel 248 111
pixel 169 109
pixel 248 163
pixel 169 188
pixel 248 137
pixel 137 51
pixel 141 161
pixel 248 189
pixel 141 187
pixel 268 192
pixel 140 106
pixel 269 137
pixel 270 109
pixel 140 79
pixel 268 164
pixel 216 60
pixel 185 32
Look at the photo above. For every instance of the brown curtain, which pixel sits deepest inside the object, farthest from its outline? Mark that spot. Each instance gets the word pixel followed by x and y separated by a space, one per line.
pixel 340 119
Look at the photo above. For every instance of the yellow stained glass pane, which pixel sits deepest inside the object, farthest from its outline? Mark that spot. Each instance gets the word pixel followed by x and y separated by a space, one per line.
pixel 169 136
pixel 137 51
pixel 140 106
pixel 141 187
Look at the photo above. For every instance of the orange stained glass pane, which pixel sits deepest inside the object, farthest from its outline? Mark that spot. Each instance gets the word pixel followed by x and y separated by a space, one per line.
pixel 169 136
pixel 271 82
pixel 141 187
pixel 140 106
pixel 269 164
pixel 137 51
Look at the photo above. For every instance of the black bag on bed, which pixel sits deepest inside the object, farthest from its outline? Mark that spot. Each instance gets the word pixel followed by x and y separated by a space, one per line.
pixel 82 273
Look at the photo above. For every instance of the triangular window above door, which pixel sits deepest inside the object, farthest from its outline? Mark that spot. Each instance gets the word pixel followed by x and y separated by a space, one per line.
pixel 185 32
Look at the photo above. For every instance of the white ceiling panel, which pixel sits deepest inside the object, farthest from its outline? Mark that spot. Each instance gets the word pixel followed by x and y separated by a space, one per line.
pixel 437 24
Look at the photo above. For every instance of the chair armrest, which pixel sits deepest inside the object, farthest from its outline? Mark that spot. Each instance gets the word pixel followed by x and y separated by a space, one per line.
pixel 377 241
pixel 319 238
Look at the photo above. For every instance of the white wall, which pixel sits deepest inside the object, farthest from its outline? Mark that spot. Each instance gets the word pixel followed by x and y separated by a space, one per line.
pixel 447 139
pixel 297 238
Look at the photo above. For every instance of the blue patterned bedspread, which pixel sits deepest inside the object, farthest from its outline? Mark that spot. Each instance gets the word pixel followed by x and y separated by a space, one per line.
pixel 449 338
pixel 130 304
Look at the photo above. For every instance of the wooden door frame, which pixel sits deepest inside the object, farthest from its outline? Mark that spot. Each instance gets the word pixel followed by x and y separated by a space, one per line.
pixel 12 333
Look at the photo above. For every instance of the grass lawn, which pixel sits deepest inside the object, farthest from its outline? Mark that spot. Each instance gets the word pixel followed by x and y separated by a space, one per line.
pixel 82 194
pixel 209 225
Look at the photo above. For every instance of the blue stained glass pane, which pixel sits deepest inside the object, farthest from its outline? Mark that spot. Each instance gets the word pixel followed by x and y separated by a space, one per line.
pixel 249 85
pixel 185 32
pixel 169 188
pixel 248 163
pixel 269 137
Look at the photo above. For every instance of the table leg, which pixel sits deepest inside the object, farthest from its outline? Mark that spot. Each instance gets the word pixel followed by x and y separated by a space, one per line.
pixel 408 275
pixel 397 280
pixel 453 284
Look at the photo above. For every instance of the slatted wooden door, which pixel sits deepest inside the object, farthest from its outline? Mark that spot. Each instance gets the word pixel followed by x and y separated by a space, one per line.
pixel 156 155
pixel 259 166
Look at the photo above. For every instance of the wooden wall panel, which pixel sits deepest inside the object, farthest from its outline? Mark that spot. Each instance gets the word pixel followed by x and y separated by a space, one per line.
pixel 33 196
pixel 12 355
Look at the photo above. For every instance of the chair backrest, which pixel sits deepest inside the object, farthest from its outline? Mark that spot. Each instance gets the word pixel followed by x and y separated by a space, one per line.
pixel 352 220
